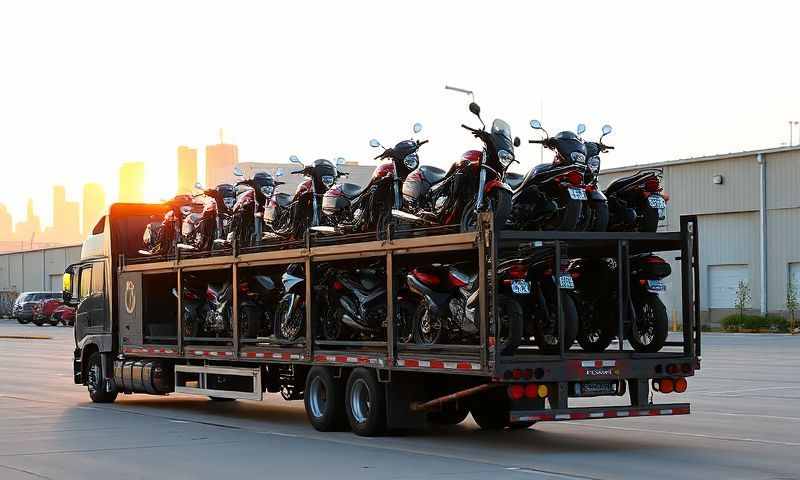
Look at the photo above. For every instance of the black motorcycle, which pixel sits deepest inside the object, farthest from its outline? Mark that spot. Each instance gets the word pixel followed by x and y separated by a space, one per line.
pixel 535 283
pixel 217 322
pixel 637 202
pixel 473 184
pixel 449 308
pixel 594 218
pixel 204 225
pixel 597 300
pixel 551 196
pixel 350 208
pixel 247 215
pixel 195 306
pixel 290 218
pixel 161 234
pixel 257 296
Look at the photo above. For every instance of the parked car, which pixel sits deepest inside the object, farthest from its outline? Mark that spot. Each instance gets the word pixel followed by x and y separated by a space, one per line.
pixel 23 306
pixel 43 310
pixel 64 314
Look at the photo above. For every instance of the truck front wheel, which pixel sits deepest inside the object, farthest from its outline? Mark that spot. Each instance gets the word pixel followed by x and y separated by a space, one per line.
pixel 365 403
pixel 95 381
pixel 324 400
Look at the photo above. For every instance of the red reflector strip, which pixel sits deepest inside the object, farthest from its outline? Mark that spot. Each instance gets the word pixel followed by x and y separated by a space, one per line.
pixel 348 359
pixel 274 355
pixel 438 364
pixel 633 412
pixel 210 353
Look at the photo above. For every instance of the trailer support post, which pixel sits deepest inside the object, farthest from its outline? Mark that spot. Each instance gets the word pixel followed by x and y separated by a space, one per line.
pixel 179 333
pixel 639 389
pixel 235 310
pixel 391 350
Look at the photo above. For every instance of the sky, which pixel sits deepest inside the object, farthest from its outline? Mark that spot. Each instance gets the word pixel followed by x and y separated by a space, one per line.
pixel 86 85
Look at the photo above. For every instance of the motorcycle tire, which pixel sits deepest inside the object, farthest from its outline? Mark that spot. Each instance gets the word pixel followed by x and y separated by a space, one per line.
pixel 499 202
pixel 595 218
pixel 384 221
pixel 249 321
pixel 648 222
pixel 651 322
pixel 570 212
pixel 593 334
pixel 332 327
pixel 404 321
pixel 291 327
pixel 435 331
pixel 511 319
pixel 54 320
pixel 543 338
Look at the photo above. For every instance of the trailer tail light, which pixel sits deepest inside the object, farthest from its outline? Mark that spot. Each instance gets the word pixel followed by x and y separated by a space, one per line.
pixel 665 385
pixel 516 392
pixel 672 369
pixel 531 390
pixel 542 391
pixel 680 385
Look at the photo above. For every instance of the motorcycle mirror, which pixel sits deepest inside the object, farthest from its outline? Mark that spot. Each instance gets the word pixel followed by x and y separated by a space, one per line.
pixel 475 109
pixel 198 186
pixel 279 172
pixel 517 141
pixel 340 160
pixel 536 125
pixel 607 129
pixel 238 172
pixel 175 292
pixel 295 159
pixel 417 127
pixel 581 128
pixel 374 143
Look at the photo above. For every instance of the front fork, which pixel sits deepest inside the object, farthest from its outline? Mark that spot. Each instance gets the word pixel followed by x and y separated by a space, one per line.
pixel 481 184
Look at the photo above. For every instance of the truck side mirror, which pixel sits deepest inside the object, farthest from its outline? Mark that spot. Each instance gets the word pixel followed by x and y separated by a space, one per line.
pixel 67 286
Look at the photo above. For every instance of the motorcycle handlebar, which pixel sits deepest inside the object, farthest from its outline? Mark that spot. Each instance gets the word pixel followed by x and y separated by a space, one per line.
pixel 541 142
pixel 419 144
pixel 297 172
pixel 608 147
pixel 469 128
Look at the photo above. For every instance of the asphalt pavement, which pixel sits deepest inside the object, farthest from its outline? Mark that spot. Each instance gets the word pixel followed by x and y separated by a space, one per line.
pixel 745 424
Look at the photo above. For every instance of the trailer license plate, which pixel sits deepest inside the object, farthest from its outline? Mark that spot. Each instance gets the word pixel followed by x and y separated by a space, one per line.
pixel 594 389
pixel 656 286
pixel 567 283
pixel 577 193
pixel 521 287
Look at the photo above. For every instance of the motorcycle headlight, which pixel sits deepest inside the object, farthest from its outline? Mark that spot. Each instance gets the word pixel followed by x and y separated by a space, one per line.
pixel 411 161
pixel 594 164
pixel 327 180
pixel 578 157
pixel 186 210
pixel 505 157
pixel 229 202
pixel 267 190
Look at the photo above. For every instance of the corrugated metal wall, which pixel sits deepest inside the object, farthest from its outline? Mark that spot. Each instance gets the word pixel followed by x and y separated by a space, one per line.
pixel 33 270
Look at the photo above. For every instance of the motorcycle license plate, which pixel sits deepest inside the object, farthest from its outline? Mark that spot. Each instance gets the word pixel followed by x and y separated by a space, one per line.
pixel 567 282
pixel 657 201
pixel 577 193
pixel 656 286
pixel 521 287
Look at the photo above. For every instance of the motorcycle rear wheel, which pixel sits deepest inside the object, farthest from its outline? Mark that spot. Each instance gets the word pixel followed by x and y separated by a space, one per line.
pixel 648 222
pixel 648 331
pixel 428 328
pixel 510 317
pixel 546 337
pixel 569 213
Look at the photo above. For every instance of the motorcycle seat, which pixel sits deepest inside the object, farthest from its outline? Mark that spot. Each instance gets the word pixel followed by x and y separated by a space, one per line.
pixel 514 180
pixel 283 199
pixel 351 190
pixel 432 174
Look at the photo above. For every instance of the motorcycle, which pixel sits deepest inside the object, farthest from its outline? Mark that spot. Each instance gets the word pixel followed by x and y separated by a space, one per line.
pixel 637 202
pixel 551 196
pixel 217 322
pixel 247 215
pixel 352 209
pixel 203 225
pixel 472 185
pixel 195 306
pixel 290 314
pixel 160 234
pixel 257 293
pixel 449 309
pixel 597 301
pixel 533 281
pixel 594 218
pixel 290 218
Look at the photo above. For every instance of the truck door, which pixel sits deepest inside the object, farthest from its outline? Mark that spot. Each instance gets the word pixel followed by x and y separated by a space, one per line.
pixel 91 316
pixel 82 311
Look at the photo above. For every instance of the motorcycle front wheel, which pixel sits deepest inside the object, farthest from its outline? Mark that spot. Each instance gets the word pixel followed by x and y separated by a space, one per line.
pixel 593 334
pixel 498 201
pixel 290 326
pixel 510 319
pixel 428 328
pixel 649 327
pixel 594 218
pixel 569 212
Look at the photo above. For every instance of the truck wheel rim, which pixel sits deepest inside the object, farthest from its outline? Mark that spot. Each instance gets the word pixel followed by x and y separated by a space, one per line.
pixel 360 401
pixel 318 398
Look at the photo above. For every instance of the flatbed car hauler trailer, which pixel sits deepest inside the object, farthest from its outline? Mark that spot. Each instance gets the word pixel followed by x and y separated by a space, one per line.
pixel 131 334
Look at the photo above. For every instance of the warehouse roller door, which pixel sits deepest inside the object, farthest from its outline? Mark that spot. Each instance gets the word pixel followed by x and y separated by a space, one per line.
pixel 723 281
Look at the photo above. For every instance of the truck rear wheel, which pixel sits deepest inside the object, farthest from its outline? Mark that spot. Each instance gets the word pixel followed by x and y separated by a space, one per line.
pixel 324 400
pixel 95 381
pixel 365 403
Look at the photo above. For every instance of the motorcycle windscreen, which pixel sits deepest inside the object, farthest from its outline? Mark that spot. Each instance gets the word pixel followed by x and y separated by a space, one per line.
pixel 501 135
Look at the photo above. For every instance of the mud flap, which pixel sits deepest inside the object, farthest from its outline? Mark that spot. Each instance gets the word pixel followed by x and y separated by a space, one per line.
pixel 401 392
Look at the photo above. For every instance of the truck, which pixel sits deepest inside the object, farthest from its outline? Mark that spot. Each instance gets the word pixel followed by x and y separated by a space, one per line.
pixel 132 332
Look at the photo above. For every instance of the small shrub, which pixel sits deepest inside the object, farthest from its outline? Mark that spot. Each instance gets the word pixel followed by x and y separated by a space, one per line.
pixel 731 323
pixel 773 323
pixel 778 324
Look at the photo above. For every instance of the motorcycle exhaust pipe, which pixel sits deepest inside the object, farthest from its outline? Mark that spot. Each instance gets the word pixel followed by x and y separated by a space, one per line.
pixel 408 217
pixel 348 320
pixel 323 229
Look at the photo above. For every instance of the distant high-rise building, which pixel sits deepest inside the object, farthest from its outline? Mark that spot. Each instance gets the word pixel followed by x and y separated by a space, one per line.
pixel 94 204
pixel 187 169
pixel 220 160
pixel 6 232
pixel 131 182
pixel 30 227
pixel 66 218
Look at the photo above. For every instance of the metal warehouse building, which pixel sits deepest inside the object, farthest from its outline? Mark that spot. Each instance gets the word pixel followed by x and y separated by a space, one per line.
pixel 34 270
pixel 748 207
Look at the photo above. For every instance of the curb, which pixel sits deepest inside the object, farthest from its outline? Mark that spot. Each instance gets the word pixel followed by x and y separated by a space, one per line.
pixel 26 337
